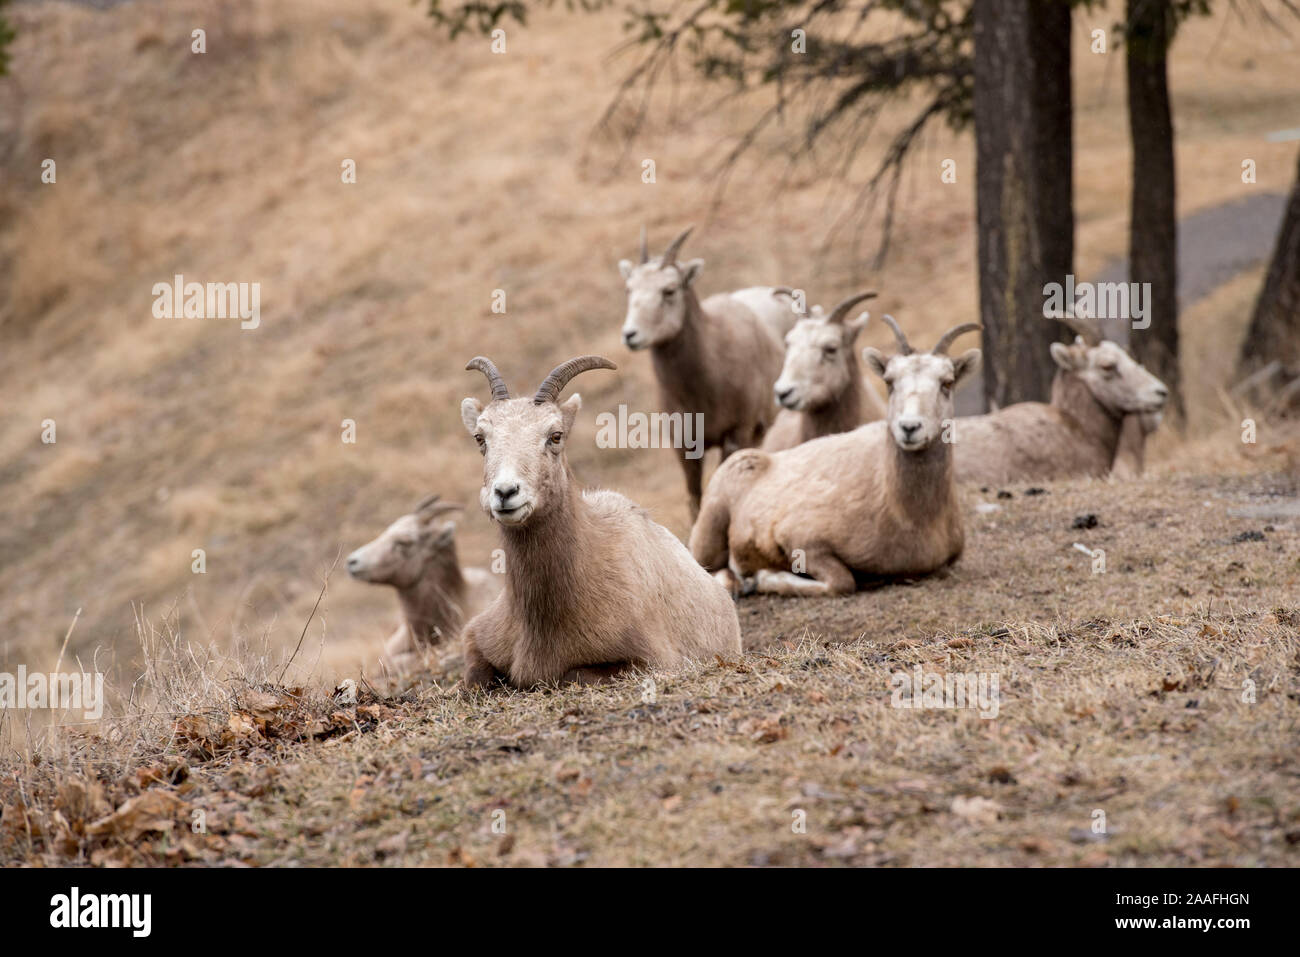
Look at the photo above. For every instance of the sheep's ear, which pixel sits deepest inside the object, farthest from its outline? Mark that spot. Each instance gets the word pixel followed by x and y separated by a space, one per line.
pixel 1064 356
pixel 470 410
pixel 625 267
pixel 965 364
pixel 875 360
pixel 691 270
pixel 854 326
pixel 569 409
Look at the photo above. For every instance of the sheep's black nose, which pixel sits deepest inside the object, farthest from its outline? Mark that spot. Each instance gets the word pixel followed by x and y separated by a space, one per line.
pixel 1162 392
pixel 628 337
pixel 505 492
pixel 783 394
pixel 909 428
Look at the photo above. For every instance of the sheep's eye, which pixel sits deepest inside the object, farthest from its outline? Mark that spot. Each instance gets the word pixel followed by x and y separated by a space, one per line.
pixel 557 438
pixel 1109 370
pixel 482 442
pixel 405 544
pixel 830 352
pixel 669 293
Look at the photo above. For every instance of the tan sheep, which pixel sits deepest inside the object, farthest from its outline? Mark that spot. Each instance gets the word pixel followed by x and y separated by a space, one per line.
pixel 416 555
pixel 593 586
pixel 875 502
pixel 718 357
pixel 820 389
pixel 1097 386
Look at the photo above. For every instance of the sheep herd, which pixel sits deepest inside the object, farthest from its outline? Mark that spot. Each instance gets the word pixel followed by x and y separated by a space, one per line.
pixel 821 486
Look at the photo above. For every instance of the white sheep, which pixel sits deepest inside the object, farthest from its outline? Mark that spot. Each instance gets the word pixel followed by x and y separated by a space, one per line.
pixel 878 501
pixel 416 555
pixel 820 389
pixel 1098 385
pixel 593 586
pixel 718 357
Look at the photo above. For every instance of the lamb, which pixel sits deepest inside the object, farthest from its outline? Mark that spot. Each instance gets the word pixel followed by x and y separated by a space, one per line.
pixel 718 357
pixel 417 556
pixel 1097 385
pixel 593 587
pixel 820 387
pixel 879 501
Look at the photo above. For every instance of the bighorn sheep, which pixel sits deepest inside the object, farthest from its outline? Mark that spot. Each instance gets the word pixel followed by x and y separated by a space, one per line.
pixel 820 388
pixel 593 586
pixel 417 556
pixel 718 358
pixel 875 502
pixel 1097 385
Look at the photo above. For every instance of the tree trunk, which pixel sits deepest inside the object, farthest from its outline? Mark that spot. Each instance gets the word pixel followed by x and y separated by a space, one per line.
pixel 1274 331
pixel 1153 224
pixel 1025 187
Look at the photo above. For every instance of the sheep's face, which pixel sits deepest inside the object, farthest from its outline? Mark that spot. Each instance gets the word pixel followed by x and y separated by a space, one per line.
pixel 656 300
pixel 523 443
pixel 403 553
pixel 819 362
pixel 920 392
pixel 1116 380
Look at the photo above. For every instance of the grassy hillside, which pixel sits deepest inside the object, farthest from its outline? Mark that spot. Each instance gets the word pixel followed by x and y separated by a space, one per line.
pixel 476 172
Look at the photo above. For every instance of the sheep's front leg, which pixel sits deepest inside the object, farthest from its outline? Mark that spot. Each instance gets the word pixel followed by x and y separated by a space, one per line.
pixel 829 576
pixel 694 471
pixel 479 672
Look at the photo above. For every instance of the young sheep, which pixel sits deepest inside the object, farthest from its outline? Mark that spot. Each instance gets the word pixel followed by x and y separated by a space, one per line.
pixel 1097 386
pixel 875 502
pixel 417 556
pixel 593 586
pixel 718 357
pixel 820 387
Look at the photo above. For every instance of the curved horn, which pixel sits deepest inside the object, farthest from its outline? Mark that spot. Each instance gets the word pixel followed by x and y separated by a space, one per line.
pixel 485 365
pixel 561 374
pixel 904 348
pixel 842 310
pixel 645 249
pixel 945 340
pixel 432 508
pixel 426 502
pixel 1083 326
pixel 670 254
pixel 794 302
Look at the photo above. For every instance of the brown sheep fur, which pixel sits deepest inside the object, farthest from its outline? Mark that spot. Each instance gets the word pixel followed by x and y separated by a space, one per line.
pixel 593 586
pixel 820 389
pixel 1097 387
pixel 416 555
pixel 718 357
pixel 876 502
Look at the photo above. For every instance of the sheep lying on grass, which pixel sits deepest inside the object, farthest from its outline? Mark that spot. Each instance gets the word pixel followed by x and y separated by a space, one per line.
pixel 1097 386
pixel 877 501
pixel 593 586
pixel 417 556
pixel 820 389
pixel 718 357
